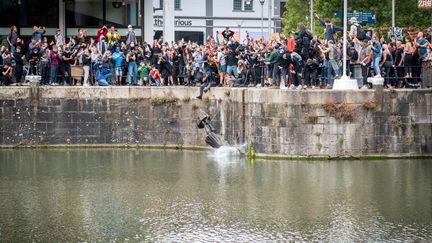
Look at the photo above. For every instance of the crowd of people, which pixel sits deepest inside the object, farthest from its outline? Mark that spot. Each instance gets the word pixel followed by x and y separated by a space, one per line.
pixel 298 61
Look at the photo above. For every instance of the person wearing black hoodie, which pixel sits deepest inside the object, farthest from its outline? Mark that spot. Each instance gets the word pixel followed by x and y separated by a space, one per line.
pixel 19 64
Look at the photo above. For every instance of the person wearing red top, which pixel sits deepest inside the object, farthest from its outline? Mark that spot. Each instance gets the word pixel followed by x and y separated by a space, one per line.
pixel 154 77
pixel 291 44
pixel 102 32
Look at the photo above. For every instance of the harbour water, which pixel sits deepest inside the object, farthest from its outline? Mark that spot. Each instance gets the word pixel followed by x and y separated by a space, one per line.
pixel 151 195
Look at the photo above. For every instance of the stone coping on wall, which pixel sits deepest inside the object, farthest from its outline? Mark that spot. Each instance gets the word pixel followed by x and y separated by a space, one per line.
pixel 259 156
pixel 248 95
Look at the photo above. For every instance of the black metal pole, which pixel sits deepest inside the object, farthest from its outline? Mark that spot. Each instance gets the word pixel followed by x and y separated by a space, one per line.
pixel 342 13
pixel 104 11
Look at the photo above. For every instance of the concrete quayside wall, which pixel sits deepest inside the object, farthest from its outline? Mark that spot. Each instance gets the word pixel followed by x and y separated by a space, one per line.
pixel 277 122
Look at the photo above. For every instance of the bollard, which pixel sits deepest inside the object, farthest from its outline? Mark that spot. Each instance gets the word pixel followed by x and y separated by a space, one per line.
pixel 357 73
pixel 34 94
pixel 34 82
pixel 378 87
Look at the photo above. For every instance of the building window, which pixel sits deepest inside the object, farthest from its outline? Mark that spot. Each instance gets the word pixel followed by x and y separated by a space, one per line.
pixel 29 13
pixel 123 14
pixel 177 4
pixel 237 5
pixel 84 13
pixel 248 5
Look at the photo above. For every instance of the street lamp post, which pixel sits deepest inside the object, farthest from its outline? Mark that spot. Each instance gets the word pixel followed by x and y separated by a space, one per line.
pixel 393 20
pixel 345 82
pixel 269 17
pixel 312 16
pixel 262 17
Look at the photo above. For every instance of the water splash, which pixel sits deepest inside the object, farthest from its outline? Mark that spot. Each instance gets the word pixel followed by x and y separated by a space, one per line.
pixel 229 154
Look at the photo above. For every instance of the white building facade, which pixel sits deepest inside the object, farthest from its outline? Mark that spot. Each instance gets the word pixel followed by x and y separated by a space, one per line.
pixel 189 19
pixel 196 19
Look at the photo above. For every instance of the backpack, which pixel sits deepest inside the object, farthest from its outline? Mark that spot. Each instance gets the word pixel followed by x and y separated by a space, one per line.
pixel 352 52
pixel 337 54
pixel 361 34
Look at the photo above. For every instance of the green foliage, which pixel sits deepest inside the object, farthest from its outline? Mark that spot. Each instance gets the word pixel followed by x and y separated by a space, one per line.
pixel 158 101
pixel 250 154
pixel 296 11
pixel 407 13
pixel 319 146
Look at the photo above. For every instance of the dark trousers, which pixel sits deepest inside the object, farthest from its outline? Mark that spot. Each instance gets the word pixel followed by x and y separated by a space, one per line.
pixel 67 74
pixel 256 75
pixel 33 67
pixel 389 77
pixel 365 73
pixel 310 76
pixel 204 87
pixel 276 75
pixel 18 73
pixel 45 74
pixel 296 76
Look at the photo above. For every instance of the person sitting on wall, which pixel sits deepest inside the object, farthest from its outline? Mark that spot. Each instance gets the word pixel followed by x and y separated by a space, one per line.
pixel 103 70
pixel 34 58
pixel 5 74
pixel 202 78
pixel 144 71
pixel 154 77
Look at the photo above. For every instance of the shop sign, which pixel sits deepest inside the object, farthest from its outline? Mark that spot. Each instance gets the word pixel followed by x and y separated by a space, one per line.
pixel 178 22
pixel 424 3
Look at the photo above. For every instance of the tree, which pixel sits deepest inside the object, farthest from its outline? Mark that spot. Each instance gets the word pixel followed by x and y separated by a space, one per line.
pixel 407 13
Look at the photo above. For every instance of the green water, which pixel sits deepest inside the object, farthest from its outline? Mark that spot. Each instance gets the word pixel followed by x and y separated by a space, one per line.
pixel 144 195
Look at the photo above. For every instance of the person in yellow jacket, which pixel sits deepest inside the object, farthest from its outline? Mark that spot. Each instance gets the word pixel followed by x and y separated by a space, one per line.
pixel 113 36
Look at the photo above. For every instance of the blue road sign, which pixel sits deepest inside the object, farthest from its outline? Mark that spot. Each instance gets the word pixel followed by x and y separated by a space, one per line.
pixel 362 18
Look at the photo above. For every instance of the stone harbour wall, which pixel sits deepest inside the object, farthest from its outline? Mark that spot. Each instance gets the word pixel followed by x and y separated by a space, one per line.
pixel 277 122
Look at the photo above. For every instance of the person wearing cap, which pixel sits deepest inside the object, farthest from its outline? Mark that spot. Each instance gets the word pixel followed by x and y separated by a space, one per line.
pixel 131 36
pixel 353 34
pixel 58 37
pixel 354 26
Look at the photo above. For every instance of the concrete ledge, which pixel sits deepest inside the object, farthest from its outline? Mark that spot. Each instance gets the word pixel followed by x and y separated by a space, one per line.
pixel 249 95
pixel 201 149
pixel 365 157
pixel 107 146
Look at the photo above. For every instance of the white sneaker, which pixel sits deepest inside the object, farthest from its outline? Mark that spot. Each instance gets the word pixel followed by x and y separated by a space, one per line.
pixel 365 87
pixel 313 87
pixel 299 87
pixel 292 86
pixel 284 87
pixel 258 86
